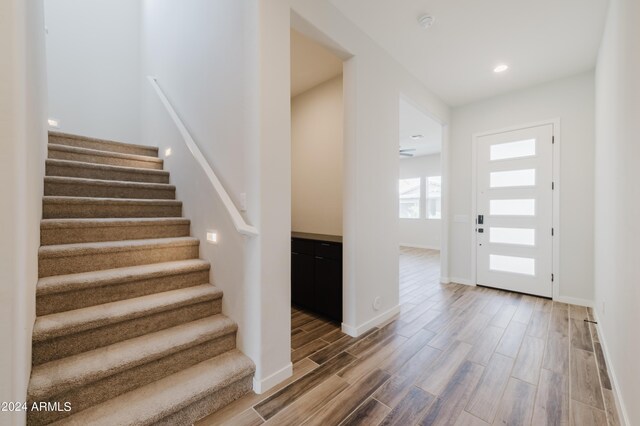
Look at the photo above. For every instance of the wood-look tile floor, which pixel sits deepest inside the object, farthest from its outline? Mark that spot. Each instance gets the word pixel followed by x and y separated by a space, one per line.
pixel 455 355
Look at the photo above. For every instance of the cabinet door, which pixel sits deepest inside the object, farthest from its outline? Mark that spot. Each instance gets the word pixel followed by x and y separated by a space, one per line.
pixel 302 280
pixel 328 288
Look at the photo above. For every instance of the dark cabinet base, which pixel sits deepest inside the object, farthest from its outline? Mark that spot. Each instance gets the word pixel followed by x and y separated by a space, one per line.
pixel 316 274
pixel 302 274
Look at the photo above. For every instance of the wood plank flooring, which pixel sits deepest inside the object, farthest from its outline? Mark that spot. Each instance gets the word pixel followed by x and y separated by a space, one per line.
pixel 455 355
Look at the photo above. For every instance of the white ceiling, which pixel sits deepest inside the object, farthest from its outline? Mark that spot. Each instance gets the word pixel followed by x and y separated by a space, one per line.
pixel 311 64
pixel 540 40
pixel 415 122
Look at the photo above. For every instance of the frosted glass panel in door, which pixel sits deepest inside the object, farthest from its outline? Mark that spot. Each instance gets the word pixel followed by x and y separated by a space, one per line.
pixel 520 236
pixel 510 178
pixel 516 207
pixel 516 265
pixel 517 149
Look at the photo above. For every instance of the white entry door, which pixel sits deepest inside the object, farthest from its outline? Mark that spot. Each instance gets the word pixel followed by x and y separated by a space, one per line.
pixel 514 204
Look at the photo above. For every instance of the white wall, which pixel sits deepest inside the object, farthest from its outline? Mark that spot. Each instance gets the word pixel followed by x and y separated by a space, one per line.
pixel 269 178
pixel 317 132
pixel 93 66
pixel 572 101
pixel 227 74
pixel 373 83
pixel 209 72
pixel 423 232
pixel 617 200
pixel 23 141
pixel 203 70
pixel 202 206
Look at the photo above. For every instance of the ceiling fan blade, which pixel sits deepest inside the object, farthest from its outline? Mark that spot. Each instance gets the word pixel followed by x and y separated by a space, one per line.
pixel 407 149
pixel 405 154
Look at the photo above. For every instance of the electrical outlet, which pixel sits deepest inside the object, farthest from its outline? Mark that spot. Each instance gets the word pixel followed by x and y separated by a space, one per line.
pixel 377 303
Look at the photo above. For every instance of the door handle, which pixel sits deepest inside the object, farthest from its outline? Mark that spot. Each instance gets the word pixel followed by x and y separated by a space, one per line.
pixel 480 219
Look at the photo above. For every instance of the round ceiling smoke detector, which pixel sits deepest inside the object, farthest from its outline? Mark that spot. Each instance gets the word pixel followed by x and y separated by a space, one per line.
pixel 426 21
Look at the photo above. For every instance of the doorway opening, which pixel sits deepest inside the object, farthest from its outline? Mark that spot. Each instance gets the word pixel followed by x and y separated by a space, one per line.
pixel 420 198
pixel 317 146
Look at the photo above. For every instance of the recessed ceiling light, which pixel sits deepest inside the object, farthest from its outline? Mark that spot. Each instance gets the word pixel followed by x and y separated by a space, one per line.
pixel 425 20
pixel 414 137
pixel 501 68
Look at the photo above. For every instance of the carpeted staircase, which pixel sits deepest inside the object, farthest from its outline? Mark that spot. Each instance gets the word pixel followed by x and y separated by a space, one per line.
pixel 128 328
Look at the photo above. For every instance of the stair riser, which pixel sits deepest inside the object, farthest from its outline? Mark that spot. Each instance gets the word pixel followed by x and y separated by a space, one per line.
pixel 96 392
pixel 69 211
pixel 64 346
pixel 62 302
pixel 110 233
pixel 101 159
pixel 107 191
pixel 90 173
pixel 116 181
pixel 104 259
pixel 208 404
pixel 103 146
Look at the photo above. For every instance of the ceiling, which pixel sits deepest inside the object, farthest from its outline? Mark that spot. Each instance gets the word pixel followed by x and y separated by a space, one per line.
pixel 540 40
pixel 311 64
pixel 415 122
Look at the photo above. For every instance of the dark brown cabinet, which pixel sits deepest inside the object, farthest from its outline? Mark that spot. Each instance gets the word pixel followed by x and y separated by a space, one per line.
pixel 316 274
pixel 302 275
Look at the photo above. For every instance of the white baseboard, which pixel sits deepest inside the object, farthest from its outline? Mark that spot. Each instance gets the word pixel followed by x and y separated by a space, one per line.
pixel 457 280
pixel 355 331
pixel 620 405
pixel 263 385
pixel 575 301
pixel 411 245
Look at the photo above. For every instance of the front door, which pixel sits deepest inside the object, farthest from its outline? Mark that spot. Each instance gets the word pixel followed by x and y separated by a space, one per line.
pixel 514 204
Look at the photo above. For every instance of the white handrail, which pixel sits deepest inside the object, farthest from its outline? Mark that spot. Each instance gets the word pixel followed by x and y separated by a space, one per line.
pixel 241 226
